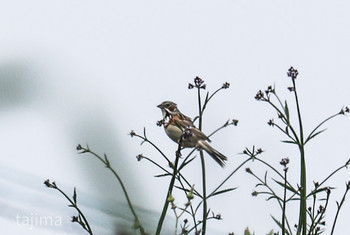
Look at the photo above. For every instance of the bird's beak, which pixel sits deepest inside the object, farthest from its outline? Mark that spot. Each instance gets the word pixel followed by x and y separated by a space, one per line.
pixel 159 106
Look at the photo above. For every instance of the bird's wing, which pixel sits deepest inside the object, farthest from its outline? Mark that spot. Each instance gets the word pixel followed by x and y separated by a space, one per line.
pixel 188 124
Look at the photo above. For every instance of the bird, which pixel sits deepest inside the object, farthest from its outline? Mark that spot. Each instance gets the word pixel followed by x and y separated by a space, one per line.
pixel 179 127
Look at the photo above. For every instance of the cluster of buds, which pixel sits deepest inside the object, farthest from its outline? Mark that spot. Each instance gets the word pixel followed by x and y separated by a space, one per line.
pixel 139 157
pixel 49 184
pixel 344 110
pixel 292 72
pixel 198 83
pixel 260 95
pixel 132 133
pixel 284 162
pixel 225 85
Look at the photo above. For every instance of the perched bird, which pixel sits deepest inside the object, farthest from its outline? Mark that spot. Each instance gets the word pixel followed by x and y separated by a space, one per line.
pixel 178 125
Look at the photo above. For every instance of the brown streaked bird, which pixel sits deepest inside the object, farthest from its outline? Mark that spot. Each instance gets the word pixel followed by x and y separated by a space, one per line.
pixel 178 125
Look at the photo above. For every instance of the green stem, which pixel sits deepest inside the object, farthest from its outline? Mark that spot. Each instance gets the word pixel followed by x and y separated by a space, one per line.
pixel 204 225
pixel 170 190
pixel 204 188
pixel 75 206
pixel 302 212
pixel 284 203
pixel 107 164
pixel 339 207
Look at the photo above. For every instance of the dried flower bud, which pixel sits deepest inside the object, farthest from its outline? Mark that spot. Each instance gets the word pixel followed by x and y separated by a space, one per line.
pixel 47 183
pixel 199 83
pixel 271 122
pixel 291 88
pixel 225 85
pixel 284 162
pixel 259 151
pixel 248 170
pixel 321 209
pixel 293 73
pixel 259 95
pixel 75 219
pixel 132 133
pixel 269 89
pixel 139 157
pixel 235 122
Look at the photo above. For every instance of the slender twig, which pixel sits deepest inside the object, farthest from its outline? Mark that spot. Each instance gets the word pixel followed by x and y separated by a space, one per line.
pixel 73 203
pixel 145 139
pixel 106 162
pixel 284 202
pixel 228 177
pixel 339 205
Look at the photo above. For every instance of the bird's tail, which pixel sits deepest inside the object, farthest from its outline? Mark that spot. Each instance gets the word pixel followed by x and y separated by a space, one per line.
pixel 216 155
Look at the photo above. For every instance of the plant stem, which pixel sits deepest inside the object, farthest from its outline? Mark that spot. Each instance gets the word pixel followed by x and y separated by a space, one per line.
pixel 75 206
pixel 284 203
pixel 204 225
pixel 302 213
pixel 170 190
pixel 106 162
pixel 204 188
pixel 339 207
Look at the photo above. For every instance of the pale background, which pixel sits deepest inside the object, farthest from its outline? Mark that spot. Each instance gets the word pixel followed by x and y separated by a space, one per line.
pixel 88 72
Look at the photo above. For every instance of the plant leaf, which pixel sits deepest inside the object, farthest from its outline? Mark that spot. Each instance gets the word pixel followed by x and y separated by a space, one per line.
pixel 288 142
pixel 280 225
pixel 162 175
pixel 106 161
pixel 222 191
pixel 286 110
pixel 286 186
pixel 75 196
pixel 184 163
pixel 312 135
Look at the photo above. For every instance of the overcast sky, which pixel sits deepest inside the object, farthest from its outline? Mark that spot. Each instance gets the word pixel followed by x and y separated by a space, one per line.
pixel 89 72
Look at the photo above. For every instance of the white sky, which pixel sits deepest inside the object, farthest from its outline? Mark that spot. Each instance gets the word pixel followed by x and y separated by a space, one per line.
pixel 88 72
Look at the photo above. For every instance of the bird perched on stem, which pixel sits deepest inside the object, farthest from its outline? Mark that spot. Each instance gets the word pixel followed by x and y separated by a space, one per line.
pixel 180 127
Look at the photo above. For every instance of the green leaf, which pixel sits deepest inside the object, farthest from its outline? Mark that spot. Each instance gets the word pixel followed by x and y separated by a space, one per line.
pixel 75 196
pixel 286 186
pixel 222 191
pixel 270 233
pixel 286 110
pixel 184 163
pixel 273 197
pixel 280 225
pixel 162 175
pixel 312 135
pixel 107 161
pixel 187 191
pixel 288 142
pixel 207 97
